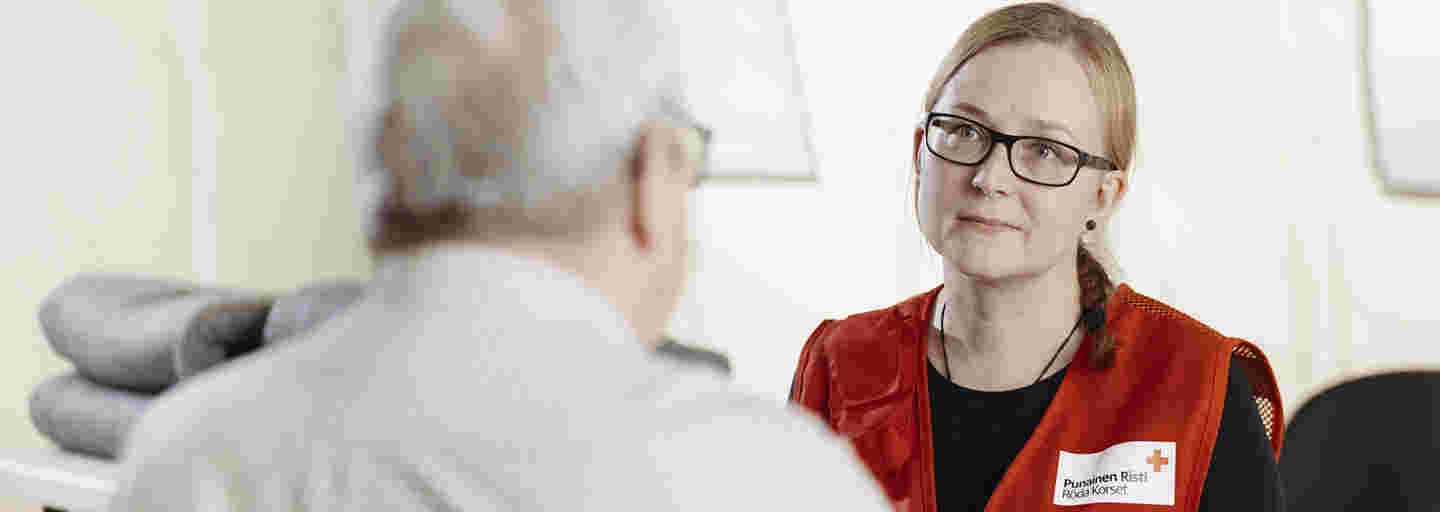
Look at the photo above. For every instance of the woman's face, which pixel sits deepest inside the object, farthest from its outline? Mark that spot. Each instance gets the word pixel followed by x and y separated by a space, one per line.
pixel 984 220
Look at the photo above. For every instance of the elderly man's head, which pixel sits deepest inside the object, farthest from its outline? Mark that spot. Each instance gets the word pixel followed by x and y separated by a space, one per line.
pixel 549 126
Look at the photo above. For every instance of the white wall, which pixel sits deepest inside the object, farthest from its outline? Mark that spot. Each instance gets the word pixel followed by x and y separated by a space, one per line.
pixel 273 186
pixel 94 175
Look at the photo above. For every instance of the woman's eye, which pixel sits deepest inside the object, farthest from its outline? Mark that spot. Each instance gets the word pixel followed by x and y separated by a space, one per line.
pixel 1043 151
pixel 967 131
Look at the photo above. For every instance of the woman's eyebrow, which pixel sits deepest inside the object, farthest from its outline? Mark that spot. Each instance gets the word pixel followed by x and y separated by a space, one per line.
pixel 1052 126
pixel 968 109
pixel 1036 125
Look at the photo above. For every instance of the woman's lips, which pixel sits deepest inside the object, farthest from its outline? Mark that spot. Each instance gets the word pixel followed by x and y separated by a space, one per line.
pixel 987 224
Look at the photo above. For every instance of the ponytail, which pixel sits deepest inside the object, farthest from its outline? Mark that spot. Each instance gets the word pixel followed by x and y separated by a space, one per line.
pixel 1095 291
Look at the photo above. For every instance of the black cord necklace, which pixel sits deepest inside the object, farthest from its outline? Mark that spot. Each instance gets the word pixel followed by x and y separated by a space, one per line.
pixel 946 354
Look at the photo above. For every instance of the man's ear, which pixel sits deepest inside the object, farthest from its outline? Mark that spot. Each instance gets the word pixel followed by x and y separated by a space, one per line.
pixel 918 139
pixel 659 168
pixel 642 210
pixel 650 168
pixel 915 150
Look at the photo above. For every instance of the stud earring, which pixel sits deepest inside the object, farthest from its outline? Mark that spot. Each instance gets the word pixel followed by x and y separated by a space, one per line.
pixel 1090 225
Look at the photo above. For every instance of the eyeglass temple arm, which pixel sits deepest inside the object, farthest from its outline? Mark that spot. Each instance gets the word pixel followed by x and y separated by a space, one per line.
pixel 1099 163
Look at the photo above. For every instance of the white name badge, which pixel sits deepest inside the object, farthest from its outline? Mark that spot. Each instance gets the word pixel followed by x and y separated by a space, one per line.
pixel 1141 472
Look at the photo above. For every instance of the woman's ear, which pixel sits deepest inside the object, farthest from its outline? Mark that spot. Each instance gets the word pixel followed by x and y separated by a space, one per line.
pixel 1113 186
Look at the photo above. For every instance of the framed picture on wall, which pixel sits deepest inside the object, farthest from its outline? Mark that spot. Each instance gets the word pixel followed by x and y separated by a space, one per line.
pixel 1402 76
pixel 745 84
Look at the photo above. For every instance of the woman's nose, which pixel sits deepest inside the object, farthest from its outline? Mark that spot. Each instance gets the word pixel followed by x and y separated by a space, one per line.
pixel 992 175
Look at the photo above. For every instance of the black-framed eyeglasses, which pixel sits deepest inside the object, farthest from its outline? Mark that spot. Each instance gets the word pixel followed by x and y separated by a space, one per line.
pixel 1038 160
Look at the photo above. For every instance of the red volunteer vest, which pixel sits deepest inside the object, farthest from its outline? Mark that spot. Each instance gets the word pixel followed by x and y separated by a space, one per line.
pixel 1129 437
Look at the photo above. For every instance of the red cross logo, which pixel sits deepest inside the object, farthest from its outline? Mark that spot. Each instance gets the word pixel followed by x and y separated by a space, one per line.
pixel 1157 461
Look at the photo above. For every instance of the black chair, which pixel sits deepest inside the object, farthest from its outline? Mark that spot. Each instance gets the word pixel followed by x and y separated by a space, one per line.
pixel 1368 444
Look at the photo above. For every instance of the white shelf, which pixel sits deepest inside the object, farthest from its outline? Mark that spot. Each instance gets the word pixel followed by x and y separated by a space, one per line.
pixel 52 478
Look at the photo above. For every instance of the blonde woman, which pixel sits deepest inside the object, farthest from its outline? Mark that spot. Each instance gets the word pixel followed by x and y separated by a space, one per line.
pixel 1027 380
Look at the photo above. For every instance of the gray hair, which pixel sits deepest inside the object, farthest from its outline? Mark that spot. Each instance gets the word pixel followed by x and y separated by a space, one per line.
pixel 612 65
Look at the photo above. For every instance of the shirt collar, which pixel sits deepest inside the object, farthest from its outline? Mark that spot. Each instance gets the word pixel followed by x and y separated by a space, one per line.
pixel 477 281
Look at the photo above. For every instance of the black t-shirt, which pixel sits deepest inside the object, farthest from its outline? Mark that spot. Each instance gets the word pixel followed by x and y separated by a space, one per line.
pixel 972 456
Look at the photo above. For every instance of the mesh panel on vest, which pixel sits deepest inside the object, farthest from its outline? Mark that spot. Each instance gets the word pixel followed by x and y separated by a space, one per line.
pixel 1246 358
pixel 1263 402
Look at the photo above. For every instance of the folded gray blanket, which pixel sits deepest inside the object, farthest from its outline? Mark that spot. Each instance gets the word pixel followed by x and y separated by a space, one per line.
pixel 308 307
pixel 144 334
pixel 132 337
pixel 83 417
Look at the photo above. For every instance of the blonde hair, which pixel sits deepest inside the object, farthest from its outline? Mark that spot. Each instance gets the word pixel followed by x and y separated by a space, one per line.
pixel 1110 79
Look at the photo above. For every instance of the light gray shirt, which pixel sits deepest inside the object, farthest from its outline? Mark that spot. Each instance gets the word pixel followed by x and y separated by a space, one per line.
pixel 472 379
